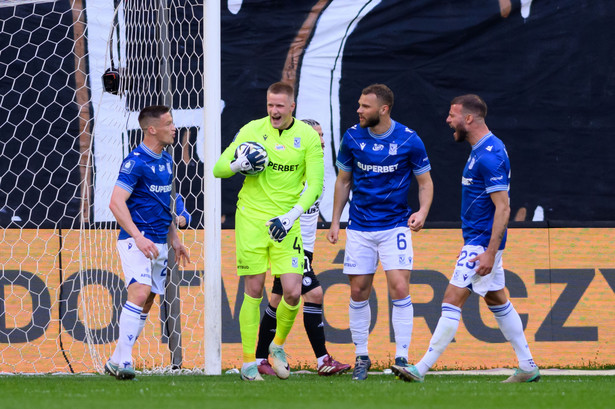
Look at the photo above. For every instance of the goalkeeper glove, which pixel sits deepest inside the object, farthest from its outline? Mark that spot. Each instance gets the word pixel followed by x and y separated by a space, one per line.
pixel 251 161
pixel 281 225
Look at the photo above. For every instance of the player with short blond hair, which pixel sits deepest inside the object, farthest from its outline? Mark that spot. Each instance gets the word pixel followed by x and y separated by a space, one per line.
pixel 312 294
pixel 266 220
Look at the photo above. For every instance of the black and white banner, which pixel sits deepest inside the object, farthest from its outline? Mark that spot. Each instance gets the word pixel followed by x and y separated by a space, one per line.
pixel 543 68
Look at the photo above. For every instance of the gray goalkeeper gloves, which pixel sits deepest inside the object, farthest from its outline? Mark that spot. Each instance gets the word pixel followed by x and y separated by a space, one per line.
pixel 281 225
pixel 249 162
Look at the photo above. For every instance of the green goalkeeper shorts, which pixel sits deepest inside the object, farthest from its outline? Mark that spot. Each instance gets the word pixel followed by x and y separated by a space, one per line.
pixel 256 251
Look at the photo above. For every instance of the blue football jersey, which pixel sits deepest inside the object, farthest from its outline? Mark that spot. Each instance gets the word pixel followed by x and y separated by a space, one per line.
pixel 382 168
pixel 148 177
pixel 487 171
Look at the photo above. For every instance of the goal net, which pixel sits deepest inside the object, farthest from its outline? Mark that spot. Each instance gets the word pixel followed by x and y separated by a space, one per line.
pixel 64 132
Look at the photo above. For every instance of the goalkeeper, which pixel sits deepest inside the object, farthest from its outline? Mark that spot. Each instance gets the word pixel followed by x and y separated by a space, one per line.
pixel 266 220
pixel 312 295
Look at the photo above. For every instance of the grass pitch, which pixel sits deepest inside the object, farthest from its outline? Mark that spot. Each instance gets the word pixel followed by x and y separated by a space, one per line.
pixel 304 391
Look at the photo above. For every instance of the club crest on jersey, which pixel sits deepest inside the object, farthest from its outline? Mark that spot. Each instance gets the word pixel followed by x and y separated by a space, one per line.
pixel 295 262
pixel 279 147
pixel 160 168
pixel 362 145
pixel 297 143
pixel 128 166
pixel 393 149
pixel 377 147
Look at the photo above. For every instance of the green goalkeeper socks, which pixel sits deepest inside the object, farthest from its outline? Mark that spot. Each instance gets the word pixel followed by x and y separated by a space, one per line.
pixel 285 315
pixel 249 318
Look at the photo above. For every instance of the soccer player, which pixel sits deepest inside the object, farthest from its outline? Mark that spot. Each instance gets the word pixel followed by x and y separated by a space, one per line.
pixel 141 204
pixel 312 294
pixel 376 159
pixel 485 211
pixel 266 220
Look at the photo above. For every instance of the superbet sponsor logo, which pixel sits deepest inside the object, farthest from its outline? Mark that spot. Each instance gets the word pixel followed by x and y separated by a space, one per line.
pixel 160 189
pixel 377 168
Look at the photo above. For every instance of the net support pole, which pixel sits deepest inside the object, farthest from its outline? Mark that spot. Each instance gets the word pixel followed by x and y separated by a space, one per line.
pixel 170 314
pixel 212 237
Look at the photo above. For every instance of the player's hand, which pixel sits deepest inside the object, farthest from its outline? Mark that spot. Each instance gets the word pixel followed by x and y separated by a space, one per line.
pixel 181 221
pixel 248 162
pixel 182 256
pixel 485 263
pixel 147 247
pixel 257 158
pixel 333 233
pixel 416 221
pixel 281 225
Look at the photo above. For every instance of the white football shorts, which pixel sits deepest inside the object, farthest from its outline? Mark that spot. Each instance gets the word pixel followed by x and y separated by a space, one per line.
pixel 141 269
pixel 465 272
pixel 363 249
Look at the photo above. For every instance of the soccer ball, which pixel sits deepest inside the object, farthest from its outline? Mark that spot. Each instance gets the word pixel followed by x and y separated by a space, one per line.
pixel 248 148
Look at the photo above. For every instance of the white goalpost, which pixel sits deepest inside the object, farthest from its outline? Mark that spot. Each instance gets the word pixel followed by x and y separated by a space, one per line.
pixel 212 239
pixel 64 133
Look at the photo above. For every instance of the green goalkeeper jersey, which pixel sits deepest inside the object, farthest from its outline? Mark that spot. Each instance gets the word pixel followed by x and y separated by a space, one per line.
pixel 295 157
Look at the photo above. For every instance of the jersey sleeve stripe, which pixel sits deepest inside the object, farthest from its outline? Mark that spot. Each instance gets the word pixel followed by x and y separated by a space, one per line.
pixel 124 186
pixel 422 170
pixel 496 188
pixel 342 166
